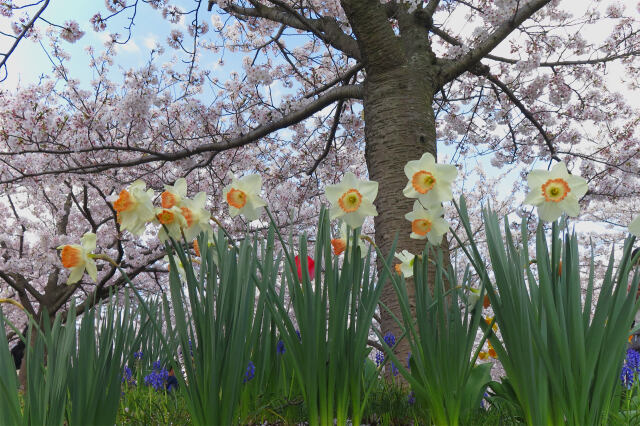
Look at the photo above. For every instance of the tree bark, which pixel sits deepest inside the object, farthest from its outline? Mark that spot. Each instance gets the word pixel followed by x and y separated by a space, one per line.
pixel 401 79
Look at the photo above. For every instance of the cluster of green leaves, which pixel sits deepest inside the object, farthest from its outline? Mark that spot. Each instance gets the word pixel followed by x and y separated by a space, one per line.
pixel 562 361
pixel 229 310
pixel 73 372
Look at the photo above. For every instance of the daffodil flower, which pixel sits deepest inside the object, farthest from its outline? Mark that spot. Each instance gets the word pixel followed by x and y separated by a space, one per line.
pixel 340 244
pixel 173 195
pixel 173 220
pixel 555 192
pixel 134 207
pixel 352 200
pixel 211 244
pixel 76 258
pixel 429 182
pixel 196 216
pixel 427 223
pixel 243 196
pixel 406 267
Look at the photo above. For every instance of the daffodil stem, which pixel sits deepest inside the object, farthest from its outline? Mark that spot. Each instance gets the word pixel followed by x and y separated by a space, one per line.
pixel 105 258
pixel 13 302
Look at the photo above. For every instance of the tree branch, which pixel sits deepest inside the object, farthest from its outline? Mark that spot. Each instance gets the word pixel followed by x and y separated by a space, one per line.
pixel 25 29
pixel 331 96
pixel 326 29
pixel 483 70
pixel 453 68
pixel 332 135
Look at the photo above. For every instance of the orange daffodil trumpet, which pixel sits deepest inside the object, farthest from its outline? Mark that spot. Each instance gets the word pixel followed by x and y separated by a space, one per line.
pixel 243 196
pixel 427 223
pixel 172 220
pixel 196 216
pixel 77 258
pixel 134 207
pixel 173 195
pixel 555 192
pixel 340 244
pixel 352 200
pixel 429 182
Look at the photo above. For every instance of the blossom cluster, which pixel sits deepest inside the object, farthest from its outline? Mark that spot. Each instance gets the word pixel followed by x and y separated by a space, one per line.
pixel 157 378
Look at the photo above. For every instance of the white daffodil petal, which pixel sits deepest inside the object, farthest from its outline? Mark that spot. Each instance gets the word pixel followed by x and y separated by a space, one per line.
pixel 537 178
pixel 560 170
pixel 549 212
pixel 634 227
pixel 251 183
pixel 409 191
pixel 534 198
pixel 354 220
pixel 427 160
pixel 412 167
pixel 448 172
pixel 88 241
pixel 570 205
pixel 578 186
pixel 369 189
pixel 333 192
pixel 75 275
pixel 367 209
pixel 92 270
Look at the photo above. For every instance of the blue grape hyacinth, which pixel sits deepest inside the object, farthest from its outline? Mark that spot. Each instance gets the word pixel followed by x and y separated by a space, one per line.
pixel 390 339
pixel 379 358
pixel 250 373
pixel 280 347
pixel 157 378
pixel 630 368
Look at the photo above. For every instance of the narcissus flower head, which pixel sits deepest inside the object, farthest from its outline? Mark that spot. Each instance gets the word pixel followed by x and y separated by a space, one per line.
pixel 555 192
pixel 340 244
pixel 76 258
pixel 352 200
pixel 173 195
pixel 429 182
pixel 171 220
pixel 406 267
pixel 243 196
pixel 427 223
pixel 134 207
pixel 196 216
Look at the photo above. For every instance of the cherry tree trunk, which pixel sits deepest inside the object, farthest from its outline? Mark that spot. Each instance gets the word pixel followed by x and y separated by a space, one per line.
pixel 401 79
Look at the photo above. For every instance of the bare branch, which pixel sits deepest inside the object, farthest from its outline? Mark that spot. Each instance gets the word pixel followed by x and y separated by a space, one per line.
pixel 25 29
pixel 325 28
pixel 332 135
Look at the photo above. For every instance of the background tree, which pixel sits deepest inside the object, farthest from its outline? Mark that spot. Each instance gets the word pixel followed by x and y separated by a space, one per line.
pixel 521 81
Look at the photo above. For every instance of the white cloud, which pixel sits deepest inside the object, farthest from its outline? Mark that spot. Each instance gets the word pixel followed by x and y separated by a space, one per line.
pixel 150 41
